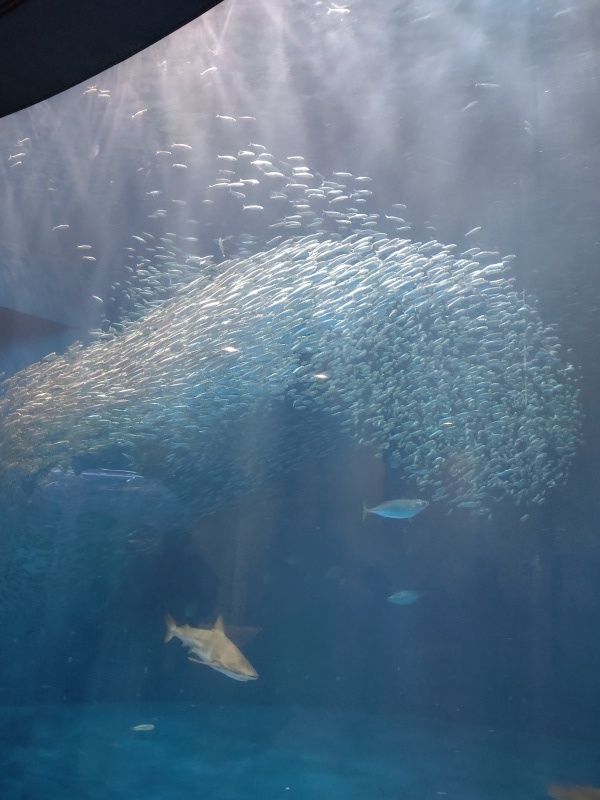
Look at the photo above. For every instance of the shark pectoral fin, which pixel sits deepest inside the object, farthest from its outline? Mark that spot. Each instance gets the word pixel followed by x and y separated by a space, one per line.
pixel 197 660
pixel 211 664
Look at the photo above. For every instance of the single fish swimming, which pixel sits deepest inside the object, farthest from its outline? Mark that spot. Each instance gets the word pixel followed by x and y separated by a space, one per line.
pixel 405 597
pixel 397 509
pixel 211 646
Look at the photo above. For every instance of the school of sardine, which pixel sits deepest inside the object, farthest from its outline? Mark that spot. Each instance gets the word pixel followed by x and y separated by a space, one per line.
pixel 431 356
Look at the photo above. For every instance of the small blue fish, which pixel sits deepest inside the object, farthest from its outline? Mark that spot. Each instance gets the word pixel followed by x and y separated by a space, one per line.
pixel 406 597
pixel 397 509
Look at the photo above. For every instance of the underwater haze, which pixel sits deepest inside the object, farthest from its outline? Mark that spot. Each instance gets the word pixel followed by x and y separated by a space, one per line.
pixel 298 482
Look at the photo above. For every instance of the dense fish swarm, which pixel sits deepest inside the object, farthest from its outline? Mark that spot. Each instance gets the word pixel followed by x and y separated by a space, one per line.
pixel 431 357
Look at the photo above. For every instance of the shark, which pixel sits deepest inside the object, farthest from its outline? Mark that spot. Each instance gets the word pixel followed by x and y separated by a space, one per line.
pixel 210 646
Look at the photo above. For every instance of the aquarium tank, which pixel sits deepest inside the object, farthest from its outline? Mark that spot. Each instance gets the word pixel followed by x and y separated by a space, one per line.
pixel 299 437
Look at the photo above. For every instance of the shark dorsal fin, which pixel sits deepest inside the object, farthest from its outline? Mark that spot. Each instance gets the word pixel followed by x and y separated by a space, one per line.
pixel 219 625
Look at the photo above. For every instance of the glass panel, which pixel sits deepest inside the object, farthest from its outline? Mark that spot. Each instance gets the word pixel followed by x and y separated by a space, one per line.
pixel 295 310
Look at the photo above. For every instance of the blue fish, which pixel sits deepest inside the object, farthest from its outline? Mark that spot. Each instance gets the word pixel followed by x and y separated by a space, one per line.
pixel 397 509
pixel 405 597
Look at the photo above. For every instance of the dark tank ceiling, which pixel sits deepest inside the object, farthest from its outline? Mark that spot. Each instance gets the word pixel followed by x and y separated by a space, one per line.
pixel 47 46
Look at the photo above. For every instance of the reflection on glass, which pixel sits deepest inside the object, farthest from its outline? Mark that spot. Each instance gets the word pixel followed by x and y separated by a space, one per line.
pixel 291 399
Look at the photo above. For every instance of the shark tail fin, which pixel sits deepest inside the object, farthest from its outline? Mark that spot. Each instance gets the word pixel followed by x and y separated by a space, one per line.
pixel 171 625
pixel 365 511
pixel 219 626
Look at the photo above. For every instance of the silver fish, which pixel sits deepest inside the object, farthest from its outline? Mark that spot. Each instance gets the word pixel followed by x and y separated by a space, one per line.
pixel 397 509
pixel 405 597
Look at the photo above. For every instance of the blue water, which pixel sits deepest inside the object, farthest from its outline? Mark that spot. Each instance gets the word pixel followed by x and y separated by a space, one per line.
pixel 88 752
pixel 473 114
